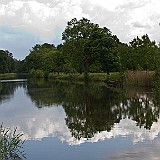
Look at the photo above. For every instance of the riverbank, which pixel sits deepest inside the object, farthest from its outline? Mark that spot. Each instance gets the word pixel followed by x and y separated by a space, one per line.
pixel 8 76
pixel 129 78
pixel 139 78
pixel 114 79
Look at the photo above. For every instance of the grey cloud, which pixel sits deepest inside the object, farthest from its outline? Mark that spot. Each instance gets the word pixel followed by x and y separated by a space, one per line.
pixel 47 19
pixel 115 21
pixel 140 25
pixel 130 5
pixel 149 151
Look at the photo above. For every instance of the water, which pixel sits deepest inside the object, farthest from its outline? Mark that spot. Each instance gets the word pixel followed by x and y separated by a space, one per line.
pixel 68 121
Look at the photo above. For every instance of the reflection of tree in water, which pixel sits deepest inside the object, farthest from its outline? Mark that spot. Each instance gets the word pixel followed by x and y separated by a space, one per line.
pixel 46 93
pixel 143 111
pixel 143 107
pixel 89 110
pixel 8 88
pixel 92 108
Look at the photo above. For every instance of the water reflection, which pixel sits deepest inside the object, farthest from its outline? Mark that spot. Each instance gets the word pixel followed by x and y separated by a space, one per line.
pixel 7 91
pixel 92 108
pixel 77 112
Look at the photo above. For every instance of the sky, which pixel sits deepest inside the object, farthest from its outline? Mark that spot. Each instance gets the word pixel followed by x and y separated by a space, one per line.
pixel 24 23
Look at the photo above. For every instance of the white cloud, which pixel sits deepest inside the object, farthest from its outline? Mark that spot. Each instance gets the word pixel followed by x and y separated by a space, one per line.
pixel 40 17
pixel 47 19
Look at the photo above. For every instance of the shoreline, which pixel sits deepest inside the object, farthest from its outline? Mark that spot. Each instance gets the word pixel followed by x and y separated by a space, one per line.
pixel 114 79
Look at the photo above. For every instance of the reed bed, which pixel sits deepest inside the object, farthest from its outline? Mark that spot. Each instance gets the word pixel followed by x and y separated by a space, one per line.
pixel 139 78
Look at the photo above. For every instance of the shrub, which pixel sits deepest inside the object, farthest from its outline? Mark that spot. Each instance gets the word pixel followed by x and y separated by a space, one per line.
pixel 10 144
pixel 37 73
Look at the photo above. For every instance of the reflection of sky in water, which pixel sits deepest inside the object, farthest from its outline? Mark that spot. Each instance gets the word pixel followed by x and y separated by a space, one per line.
pixel 36 124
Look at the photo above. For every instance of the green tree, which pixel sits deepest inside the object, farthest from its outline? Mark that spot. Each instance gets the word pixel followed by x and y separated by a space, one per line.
pixel 145 52
pixel 44 57
pixel 90 48
pixel 7 62
pixel 102 47
pixel 75 36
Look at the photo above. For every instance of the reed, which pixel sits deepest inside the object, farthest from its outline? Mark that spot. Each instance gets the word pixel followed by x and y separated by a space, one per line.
pixel 139 78
pixel 10 144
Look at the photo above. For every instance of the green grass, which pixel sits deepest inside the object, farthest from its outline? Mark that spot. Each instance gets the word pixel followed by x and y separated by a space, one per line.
pixel 129 78
pixel 96 77
pixel 0 86
pixel 8 76
pixel 10 144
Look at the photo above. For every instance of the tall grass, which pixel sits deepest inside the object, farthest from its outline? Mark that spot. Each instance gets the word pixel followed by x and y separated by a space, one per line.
pixel 97 77
pixel 8 76
pixel 139 78
pixel 0 86
pixel 10 144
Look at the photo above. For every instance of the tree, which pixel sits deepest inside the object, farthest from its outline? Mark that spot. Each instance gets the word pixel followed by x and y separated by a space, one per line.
pixel 7 62
pixel 145 52
pixel 75 36
pixel 102 47
pixel 44 57
pixel 90 48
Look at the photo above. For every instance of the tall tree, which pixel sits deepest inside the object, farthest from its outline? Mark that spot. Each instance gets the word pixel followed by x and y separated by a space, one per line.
pixel 75 36
pixel 43 57
pixel 7 62
pixel 89 47
pixel 145 52
pixel 102 47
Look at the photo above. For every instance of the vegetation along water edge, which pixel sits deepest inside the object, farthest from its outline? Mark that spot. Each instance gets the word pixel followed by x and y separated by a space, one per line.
pixel 88 52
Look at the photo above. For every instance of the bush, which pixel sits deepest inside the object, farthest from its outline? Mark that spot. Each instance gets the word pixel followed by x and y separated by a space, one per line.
pixel 37 73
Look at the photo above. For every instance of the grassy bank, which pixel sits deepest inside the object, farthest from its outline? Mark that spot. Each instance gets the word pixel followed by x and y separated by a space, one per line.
pixel 139 78
pixel 96 77
pixel 8 76
pixel 129 78
pixel 0 86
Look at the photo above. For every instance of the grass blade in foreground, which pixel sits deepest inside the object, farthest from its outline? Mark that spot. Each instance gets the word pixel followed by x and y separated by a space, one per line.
pixel 10 144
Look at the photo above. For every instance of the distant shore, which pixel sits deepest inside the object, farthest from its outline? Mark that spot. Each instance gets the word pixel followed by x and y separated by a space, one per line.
pixel 129 78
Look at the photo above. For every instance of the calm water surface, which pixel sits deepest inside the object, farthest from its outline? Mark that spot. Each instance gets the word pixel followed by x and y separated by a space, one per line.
pixel 76 121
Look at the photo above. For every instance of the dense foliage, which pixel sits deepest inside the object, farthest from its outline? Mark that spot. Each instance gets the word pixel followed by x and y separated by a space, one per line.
pixel 86 48
pixel 7 63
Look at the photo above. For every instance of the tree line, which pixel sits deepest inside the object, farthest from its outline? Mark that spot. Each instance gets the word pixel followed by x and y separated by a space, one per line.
pixel 86 48
pixel 8 64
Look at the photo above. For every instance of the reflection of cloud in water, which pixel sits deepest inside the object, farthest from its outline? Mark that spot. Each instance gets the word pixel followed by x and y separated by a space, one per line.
pixel 50 122
pixel 148 151
pixel 128 127
pixel 47 122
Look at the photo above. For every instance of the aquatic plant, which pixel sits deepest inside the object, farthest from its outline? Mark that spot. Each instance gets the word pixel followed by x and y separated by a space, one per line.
pixel 11 144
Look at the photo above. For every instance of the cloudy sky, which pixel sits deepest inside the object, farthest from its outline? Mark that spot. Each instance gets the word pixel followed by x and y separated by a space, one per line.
pixel 24 23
